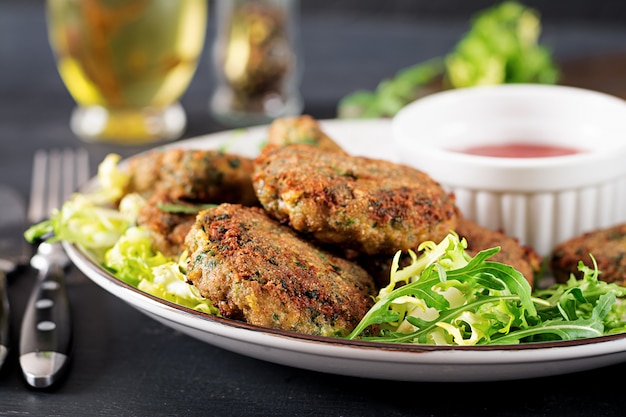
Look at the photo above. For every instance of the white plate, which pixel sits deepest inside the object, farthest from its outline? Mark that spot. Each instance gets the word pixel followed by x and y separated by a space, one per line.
pixel 357 358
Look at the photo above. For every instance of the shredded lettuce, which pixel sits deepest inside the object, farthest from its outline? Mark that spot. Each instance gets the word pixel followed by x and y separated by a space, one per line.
pixel 133 260
pixel 132 257
pixel 446 297
pixel 83 222
pixel 112 181
pixel 88 218
pixel 104 222
pixel 577 298
pixel 169 283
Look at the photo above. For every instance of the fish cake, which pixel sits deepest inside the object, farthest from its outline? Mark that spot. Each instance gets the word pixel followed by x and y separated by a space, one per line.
pixel 199 176
pixel 371 206
pixel 256 270
pixel 608 247
pixel 521 257
pixel 302 129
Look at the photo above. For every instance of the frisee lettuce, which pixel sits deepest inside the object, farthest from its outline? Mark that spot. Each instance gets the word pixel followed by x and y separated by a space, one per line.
pixel 446 297
pixel 103 222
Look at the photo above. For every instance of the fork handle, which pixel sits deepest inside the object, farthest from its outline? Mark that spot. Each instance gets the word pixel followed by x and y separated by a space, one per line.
pixel 4 318
pixel 46 333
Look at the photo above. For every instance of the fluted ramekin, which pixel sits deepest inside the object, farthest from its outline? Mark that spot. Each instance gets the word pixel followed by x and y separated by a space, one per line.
pixel 540 200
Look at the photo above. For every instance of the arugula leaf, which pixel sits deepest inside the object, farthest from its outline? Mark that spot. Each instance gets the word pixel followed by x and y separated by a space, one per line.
pixel 182 207
pixel 446 297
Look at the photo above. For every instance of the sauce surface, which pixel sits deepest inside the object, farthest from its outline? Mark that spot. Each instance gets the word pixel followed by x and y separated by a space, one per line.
pixel 519 150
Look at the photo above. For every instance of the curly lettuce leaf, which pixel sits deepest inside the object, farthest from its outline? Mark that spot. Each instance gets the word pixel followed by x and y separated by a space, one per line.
pixel 392 93
pixel 89 219
pixel 112 181
pixel 83 222
pixel 577 299
pixel 446 297
pixel 132 257
pixel 104 222
pixel 169 283
pixel 133 260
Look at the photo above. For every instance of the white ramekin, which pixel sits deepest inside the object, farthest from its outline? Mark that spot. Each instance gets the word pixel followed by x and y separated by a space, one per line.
pixel 541 201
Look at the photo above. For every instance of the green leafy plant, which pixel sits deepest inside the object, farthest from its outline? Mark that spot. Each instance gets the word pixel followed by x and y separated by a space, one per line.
pixel 501 46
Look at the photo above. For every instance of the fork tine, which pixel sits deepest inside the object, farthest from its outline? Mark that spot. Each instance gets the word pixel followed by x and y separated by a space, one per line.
pixel 54 181
pixel 67 183
pixel 82 167
pixel 75 171
pixel 55 176
pixel 36 206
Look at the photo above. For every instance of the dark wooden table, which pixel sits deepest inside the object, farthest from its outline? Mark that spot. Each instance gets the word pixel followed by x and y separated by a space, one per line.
pixel 126 364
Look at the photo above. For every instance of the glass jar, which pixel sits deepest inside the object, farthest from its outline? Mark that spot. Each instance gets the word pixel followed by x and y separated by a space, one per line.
pixel 257 61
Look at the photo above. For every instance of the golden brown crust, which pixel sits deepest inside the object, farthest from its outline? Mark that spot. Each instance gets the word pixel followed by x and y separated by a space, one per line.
pixel 608 247
pixel 300 130
pixel 368 205
pixel 256 270
pixel 206 176
pixel 521 257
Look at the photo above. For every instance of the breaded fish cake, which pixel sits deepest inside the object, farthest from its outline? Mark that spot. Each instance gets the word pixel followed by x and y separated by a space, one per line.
pixel 608 247
pixel 254 269
pixel 368 205
pixel 207 176
pixel 523 258
pixel 300 130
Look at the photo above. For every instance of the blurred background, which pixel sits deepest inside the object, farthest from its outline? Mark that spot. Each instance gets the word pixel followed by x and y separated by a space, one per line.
pixel 346 45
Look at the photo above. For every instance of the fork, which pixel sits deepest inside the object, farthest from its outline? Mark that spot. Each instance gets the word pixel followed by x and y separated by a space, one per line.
pixel 46 329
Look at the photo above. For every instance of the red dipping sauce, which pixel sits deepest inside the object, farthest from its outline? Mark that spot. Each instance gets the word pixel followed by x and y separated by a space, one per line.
pixel 519 150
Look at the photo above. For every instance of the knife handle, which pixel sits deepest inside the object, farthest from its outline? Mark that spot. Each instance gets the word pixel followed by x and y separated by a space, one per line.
pixel 46 332
pixel 4 318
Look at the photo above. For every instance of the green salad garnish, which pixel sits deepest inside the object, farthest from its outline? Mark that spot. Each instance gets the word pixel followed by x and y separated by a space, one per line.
pixel 446 297
pixel 111 236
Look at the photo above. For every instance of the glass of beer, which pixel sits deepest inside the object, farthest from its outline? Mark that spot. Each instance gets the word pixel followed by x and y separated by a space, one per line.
pixel 126 63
